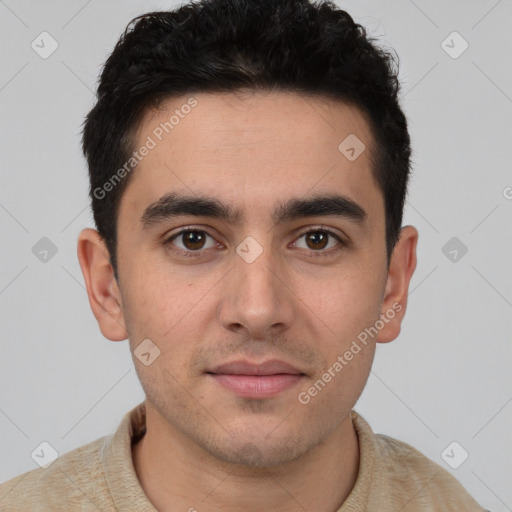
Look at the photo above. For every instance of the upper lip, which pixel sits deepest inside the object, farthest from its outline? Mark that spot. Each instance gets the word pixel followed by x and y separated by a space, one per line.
pixel 244 367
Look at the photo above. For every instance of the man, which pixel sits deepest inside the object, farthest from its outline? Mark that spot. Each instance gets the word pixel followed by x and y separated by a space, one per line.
pixel 248 168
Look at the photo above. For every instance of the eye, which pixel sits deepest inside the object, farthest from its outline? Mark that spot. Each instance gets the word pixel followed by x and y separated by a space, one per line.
pixel 317 240
pixel 192 241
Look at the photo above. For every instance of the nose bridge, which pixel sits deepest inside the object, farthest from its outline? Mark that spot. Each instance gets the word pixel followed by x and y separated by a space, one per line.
pixel 257 299
pixel 256 270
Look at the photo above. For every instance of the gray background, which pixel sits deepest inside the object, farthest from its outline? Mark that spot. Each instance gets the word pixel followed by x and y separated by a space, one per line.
pixel 446 378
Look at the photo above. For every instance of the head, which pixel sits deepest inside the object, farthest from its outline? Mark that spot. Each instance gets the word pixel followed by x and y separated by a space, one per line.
pixel 272 131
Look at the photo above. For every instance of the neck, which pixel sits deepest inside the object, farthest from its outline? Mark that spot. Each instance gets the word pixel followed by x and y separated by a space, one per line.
pixel 176 474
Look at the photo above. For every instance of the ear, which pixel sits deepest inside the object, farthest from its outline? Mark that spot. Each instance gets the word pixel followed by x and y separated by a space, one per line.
pixel 102 289
pixel 401 269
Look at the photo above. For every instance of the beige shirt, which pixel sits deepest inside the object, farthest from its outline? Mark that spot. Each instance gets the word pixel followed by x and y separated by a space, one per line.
pixel 100 476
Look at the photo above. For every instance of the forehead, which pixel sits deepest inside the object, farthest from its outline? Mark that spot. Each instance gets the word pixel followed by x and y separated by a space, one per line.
pixel 253 149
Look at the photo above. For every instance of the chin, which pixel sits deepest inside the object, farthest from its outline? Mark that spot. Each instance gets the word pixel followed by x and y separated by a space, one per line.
pixel 259 455
pixel 258 452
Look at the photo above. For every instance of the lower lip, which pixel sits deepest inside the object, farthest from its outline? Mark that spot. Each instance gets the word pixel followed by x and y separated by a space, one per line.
pixel 257 386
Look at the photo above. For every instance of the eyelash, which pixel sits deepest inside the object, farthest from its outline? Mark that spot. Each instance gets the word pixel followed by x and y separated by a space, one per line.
pixel 199 253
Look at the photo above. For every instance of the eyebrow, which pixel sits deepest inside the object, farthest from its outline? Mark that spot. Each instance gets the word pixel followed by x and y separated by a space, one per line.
pixel 177 204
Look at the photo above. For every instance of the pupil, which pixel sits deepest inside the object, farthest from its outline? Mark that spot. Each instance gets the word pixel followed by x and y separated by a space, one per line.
pixel 318 238
pixel 193 240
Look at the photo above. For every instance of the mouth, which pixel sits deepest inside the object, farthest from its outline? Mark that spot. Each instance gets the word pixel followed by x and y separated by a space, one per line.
pixel 253 380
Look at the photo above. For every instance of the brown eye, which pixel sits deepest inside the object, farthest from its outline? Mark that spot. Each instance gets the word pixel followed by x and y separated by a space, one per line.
pixel 317 239
pixel 193 240
pixel 188 241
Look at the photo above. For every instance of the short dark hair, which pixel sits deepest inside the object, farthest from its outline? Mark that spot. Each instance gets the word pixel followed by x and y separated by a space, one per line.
pixel 231 45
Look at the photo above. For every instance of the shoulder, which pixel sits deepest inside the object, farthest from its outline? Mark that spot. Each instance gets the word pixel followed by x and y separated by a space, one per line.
pixel 394 475
pixel 415 479
pixel 74 481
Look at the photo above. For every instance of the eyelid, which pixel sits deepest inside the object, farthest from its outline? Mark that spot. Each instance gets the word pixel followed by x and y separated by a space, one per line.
pixel 331 231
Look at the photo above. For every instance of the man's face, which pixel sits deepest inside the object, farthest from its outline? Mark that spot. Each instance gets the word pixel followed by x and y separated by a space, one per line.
pixel 250 289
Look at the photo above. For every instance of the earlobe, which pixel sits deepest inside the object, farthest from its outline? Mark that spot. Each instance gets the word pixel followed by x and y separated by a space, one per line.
pixel 401 268
pixel 102 289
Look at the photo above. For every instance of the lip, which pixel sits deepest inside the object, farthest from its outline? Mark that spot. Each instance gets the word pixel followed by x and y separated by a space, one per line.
pixel 244 367
pixel 256 380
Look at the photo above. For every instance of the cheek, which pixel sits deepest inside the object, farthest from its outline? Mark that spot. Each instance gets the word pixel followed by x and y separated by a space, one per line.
pixel 157 297
pixel 346 304
pixel 168 308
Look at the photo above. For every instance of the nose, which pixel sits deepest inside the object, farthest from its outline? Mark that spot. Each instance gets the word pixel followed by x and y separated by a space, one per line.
pixel 258 296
